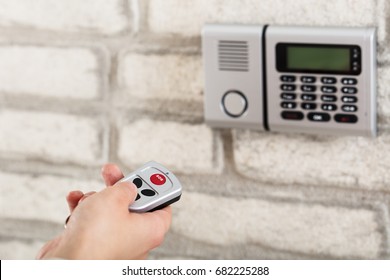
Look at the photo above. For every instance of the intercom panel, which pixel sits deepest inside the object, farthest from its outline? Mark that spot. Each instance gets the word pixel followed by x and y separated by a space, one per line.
pixel 318 80
pixel 233 76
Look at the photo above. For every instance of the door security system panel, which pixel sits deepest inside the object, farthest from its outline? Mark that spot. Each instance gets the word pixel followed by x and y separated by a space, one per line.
pixel 319 80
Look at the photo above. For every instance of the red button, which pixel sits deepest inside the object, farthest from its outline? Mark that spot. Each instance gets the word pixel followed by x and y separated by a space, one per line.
pixel 158 179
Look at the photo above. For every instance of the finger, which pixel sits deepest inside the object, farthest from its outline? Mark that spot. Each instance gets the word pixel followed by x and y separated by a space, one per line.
pixel 124 193
pixel 88 194
pixel 73 199
pixel 111 174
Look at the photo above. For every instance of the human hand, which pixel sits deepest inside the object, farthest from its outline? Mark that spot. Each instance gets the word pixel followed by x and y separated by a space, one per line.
pixel 101 227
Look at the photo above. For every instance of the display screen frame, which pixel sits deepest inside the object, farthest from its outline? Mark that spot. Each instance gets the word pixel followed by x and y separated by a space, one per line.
pixel 354 59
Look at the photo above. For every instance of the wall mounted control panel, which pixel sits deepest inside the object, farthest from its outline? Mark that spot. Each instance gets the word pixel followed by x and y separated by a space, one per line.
pixel 318 80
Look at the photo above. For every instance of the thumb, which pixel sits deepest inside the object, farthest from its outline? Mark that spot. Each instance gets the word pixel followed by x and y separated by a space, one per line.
pixel 123 192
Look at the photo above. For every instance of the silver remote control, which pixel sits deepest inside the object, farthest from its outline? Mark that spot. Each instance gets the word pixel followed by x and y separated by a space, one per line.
pixel 157 187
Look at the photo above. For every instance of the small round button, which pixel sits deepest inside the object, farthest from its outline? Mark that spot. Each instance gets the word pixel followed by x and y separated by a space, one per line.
pixel 148 192
pixel 158 179
pixel 234 103
pixel 137 182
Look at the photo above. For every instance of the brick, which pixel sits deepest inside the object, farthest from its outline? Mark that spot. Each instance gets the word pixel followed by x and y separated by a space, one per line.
pixel 40 197
pixel 57 138
pixel 88 16
pixel 302 228
pixel 347 162
pixel 19 250
pixel 51 72
pixel 186 18
pixel 174 76
pixel 383 102
pixel 181 147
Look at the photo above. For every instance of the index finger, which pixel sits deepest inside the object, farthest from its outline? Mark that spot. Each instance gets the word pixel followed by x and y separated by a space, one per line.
pixel 111 174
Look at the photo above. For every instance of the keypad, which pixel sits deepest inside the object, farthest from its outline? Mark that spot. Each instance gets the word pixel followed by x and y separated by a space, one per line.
pixel 319 98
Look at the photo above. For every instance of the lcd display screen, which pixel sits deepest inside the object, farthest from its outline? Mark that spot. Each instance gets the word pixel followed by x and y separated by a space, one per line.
pixel 318 58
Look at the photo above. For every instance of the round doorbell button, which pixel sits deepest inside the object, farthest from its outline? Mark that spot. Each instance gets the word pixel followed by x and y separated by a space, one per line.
pixel 158 179
pixel 234 103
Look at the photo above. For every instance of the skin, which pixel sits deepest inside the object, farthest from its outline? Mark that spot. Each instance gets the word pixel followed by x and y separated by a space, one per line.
pixel 101 227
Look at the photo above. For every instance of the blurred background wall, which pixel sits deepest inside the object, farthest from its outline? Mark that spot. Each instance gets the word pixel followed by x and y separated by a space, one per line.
pixel 87 82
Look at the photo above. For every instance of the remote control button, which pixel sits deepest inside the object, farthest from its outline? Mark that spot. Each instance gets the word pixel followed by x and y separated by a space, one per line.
pixel 288 105
pixel 137 182
pixel 329 98
pixel 292 115
pixel 319 117
pixel 307 88
pixel 148 192
pixel 287 78
pixel 308 106
pixel 158 179
pixel 308 79
pixel 343 118
pixel 349 90
pixel 349 99
pixel 287 87
pixel 308 97
pixel 349 81
pixel 138 197
pixel 328 89
pixel 328 80
pixel 329 107
pixel 288 96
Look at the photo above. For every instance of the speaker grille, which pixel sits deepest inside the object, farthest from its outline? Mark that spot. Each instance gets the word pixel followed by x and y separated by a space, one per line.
pixel 233 56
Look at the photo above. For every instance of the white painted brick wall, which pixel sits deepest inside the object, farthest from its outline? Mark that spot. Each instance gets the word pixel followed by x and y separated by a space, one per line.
pixel 52 71
pixel 89 16
pixel 352 162
pixel 187 17
pixel 57 138
pixel 182 147
pixel 168 76
pixel 23 196
pixel 311 229
pixel 100 79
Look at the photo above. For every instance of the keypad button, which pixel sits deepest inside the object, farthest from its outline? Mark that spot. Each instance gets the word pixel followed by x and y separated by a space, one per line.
pixel 287 78
pixel 148 192
pixel 344 118
pixel 138 197
pixel 349 81
pixel 137 182
pixel 308 79
pixel 318 117
pixel 308 97
pixel 328 80
pixel 288 96
pixel 329 98
pixel 349 108
pixel 307 88
pixel 288 87
pixel 329 107
pixel 308 106
pixel 328 89
pixel 349 99
pixel 288 105
pixel 349 90
pixel 292 115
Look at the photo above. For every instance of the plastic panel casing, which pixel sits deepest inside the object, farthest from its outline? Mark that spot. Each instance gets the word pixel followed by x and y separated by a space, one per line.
pixel 247 81
pixel 365 38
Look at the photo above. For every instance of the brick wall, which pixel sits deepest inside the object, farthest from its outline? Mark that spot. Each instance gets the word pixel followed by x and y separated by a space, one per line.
pixel 86 82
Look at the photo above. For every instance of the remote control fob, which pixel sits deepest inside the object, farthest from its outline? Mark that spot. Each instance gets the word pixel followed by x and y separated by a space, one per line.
pixel 157 187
